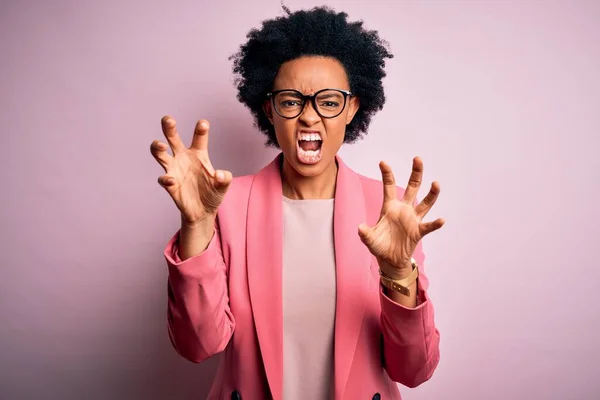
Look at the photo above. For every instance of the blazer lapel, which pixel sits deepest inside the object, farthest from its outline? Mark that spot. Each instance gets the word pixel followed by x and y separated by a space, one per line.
pixel 264 247
pixel 352 260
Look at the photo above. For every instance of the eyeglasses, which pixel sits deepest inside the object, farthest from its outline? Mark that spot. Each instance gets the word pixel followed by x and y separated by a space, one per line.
pixel 328 103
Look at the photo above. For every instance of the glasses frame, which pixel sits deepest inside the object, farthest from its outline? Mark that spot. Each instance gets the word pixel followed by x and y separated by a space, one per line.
pixel 312 98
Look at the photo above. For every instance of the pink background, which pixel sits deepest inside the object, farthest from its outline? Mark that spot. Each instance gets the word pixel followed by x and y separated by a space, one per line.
pixel 501 99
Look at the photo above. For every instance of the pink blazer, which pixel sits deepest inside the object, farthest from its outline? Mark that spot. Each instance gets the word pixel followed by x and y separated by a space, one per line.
pixel 228 298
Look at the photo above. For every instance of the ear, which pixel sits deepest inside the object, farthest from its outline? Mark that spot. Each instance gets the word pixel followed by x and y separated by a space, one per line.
pixel 268 109
pixel 353 107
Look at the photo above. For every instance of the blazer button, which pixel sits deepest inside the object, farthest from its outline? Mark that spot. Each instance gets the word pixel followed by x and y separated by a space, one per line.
pixel 377 396
pixel 235 395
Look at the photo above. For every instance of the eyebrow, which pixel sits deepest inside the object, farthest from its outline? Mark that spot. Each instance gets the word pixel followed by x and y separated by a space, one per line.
pixel 328 95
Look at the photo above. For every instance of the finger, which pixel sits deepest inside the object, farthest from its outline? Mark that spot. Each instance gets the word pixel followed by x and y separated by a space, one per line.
pixel 414 182
pixel 389 182
pixel 159 151
pixel 166 181
pixel 169 128
pixel 364 232
pixel 425 205
pixel 200 140
pixel 223 180
pixel 427 227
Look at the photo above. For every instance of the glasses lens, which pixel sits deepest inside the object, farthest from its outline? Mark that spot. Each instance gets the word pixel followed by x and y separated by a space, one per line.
pixel 330 103
pixel 288 104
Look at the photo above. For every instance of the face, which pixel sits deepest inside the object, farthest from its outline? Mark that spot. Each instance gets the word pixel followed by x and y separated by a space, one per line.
pixel 310 142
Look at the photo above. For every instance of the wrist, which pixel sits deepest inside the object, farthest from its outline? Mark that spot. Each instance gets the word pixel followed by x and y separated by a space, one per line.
pixel 200 231
pixel 396 272
pixel 202 224
pixel 195 237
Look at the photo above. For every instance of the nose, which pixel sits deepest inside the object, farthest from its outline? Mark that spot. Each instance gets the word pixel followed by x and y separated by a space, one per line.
pixel 309 115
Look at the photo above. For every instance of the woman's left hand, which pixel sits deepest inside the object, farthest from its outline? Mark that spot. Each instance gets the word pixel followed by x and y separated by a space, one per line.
pixel 400 227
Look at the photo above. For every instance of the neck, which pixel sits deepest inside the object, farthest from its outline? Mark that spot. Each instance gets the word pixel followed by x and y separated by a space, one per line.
pixel 299 187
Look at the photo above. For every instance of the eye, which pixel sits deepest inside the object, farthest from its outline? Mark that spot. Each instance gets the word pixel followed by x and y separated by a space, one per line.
pixel 289 103
pixel 329 104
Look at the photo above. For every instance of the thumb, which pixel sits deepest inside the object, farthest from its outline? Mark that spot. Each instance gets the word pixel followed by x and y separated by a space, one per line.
pixel 223 180
pixel 363 231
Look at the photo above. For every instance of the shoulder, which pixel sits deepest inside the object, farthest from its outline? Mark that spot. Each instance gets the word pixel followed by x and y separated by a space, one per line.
pixel 241 184
pixel 239 191
pixel 234 208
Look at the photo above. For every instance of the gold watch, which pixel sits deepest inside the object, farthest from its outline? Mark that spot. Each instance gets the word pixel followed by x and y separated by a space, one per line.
pixel 401 285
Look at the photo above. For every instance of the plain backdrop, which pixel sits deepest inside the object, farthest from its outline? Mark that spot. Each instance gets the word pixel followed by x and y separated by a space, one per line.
pixel 501 99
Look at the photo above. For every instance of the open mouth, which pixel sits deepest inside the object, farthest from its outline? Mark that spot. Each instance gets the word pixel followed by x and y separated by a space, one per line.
pixel 308 147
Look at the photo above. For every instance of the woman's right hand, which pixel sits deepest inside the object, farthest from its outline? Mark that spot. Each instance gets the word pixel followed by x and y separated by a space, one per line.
pixel 196 188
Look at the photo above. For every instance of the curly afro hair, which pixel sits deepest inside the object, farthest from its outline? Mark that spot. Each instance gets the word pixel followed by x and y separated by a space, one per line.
pixel 316 32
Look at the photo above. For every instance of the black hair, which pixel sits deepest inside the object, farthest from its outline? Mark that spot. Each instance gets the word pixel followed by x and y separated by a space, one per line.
pixel 317 32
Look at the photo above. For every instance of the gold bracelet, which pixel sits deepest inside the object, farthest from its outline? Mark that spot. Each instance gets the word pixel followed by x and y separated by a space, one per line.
pixel 401 286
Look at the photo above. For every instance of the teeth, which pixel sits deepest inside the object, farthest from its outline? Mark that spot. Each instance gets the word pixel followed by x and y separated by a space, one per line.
pixel 309 137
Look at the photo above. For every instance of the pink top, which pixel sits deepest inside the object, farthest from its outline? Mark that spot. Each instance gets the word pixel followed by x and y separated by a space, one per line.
pixel 308 292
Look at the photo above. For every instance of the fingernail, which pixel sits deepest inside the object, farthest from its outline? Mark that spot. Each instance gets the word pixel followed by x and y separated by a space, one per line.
pixel 220 175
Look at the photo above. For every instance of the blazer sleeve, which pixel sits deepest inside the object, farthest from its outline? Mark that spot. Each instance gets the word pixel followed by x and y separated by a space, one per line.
pixel 411 340
pixel 200 322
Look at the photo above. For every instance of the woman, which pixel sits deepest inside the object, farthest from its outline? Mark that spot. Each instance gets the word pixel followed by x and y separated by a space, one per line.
pixel 307 276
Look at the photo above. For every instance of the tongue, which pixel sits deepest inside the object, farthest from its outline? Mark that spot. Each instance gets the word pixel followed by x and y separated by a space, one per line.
pixel 310 145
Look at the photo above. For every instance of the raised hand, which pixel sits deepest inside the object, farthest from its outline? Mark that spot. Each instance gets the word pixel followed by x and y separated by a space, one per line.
pixel 196 188
pixel 400 227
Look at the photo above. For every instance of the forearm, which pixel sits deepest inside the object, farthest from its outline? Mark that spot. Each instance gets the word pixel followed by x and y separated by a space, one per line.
pixel 199 317
pixel 410 339
pixel 200 321
pixel 195 238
